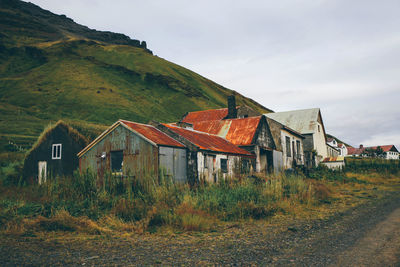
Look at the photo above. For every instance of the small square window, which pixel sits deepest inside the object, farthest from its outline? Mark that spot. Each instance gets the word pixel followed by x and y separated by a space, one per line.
pixel 56 151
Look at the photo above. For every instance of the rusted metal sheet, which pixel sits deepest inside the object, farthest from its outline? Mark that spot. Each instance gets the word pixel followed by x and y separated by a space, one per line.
pixel 237 131
pixel 152 133
pixel 206 115
pixel 207 141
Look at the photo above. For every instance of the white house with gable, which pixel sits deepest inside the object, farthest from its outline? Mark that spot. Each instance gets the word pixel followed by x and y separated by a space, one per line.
pixel 309 123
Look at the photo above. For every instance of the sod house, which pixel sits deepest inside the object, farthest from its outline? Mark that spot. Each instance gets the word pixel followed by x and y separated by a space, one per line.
pixel 54 153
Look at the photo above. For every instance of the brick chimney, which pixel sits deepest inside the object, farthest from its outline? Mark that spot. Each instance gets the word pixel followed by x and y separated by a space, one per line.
pixel 232 111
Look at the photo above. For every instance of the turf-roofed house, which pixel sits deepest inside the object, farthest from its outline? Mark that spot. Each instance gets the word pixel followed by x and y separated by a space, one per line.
pixel 54 153
pixel 134 149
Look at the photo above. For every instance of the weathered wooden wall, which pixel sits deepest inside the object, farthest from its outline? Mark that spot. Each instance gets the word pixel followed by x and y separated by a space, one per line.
pixel 139 156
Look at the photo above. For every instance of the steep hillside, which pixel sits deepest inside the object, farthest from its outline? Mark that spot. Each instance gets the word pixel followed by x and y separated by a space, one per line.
pixel 52 68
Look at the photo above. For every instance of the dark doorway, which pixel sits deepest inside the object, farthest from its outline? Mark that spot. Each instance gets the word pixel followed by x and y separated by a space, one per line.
pixel 270 161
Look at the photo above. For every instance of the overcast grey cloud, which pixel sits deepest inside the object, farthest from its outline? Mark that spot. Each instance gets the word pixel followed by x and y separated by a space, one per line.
pixel 341 56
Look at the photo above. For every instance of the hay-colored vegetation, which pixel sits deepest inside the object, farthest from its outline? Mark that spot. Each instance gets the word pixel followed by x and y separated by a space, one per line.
pixel 136 205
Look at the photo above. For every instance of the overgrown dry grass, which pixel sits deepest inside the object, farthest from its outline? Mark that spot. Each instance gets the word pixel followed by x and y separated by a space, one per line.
pixel 76 206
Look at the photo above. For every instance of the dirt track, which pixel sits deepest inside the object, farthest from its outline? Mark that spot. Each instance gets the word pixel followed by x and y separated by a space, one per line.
pixel 368 235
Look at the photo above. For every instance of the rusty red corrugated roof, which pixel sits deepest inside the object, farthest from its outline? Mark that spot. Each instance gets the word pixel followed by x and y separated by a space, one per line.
pixel 152 133
pixel 206 115
pixel 207 141
pixel 237 131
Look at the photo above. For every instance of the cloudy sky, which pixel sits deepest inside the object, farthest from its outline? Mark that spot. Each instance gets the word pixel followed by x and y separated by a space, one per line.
pixel 341 56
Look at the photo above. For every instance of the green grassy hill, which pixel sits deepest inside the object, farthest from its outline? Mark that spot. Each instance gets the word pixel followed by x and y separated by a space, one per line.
pixel 52 68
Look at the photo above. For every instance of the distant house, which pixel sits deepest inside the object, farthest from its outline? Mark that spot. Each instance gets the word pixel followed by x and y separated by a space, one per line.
pixel 333 151
pixel 388 151
pixel 307 122
pixel 335 163
pixel 289 145
pixel 340 147
pixel 210 157
pixel 331 141
pixel 342 150
pixel 54 153
pixel 134 149
pixel 355 152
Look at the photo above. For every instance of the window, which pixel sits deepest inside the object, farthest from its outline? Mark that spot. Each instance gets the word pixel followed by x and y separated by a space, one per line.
pixel 288 150
pixel 318 129
pixel 224 165
pixel 116 161
pixel 298 147
pixel 56 151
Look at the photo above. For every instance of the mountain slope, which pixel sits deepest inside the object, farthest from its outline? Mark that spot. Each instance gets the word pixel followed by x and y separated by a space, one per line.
pixel 52 68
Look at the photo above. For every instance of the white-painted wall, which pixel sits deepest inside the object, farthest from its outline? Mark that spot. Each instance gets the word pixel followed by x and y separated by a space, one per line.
pixel 335 165
pixel 320 142
pixel 213 168
pixel 288 161
pixel 343 151
pixel 392 155
pixel 332 152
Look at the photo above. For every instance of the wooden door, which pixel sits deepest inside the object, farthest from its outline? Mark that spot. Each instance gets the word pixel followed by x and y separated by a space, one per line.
pixel 42 175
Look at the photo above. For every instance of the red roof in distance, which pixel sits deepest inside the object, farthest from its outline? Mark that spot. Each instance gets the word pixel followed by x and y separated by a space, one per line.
pixel 385 148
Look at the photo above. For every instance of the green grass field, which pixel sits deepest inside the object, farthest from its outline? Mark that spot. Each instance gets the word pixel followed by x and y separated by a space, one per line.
pixel 52 68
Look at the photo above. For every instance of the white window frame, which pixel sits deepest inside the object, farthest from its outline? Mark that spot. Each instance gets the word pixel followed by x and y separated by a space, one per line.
pixel 56 148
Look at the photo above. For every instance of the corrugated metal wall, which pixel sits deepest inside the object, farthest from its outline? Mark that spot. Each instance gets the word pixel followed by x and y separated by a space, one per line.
pixel 174 162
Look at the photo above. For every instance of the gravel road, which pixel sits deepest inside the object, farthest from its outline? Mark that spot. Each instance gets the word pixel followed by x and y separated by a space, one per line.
pixel 368 235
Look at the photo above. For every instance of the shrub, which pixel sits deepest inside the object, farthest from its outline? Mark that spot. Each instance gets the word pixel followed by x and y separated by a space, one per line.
pixel 10 174
pixel 372 164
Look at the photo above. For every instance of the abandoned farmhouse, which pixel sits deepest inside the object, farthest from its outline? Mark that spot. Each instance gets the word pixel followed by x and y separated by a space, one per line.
pixel 204 145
